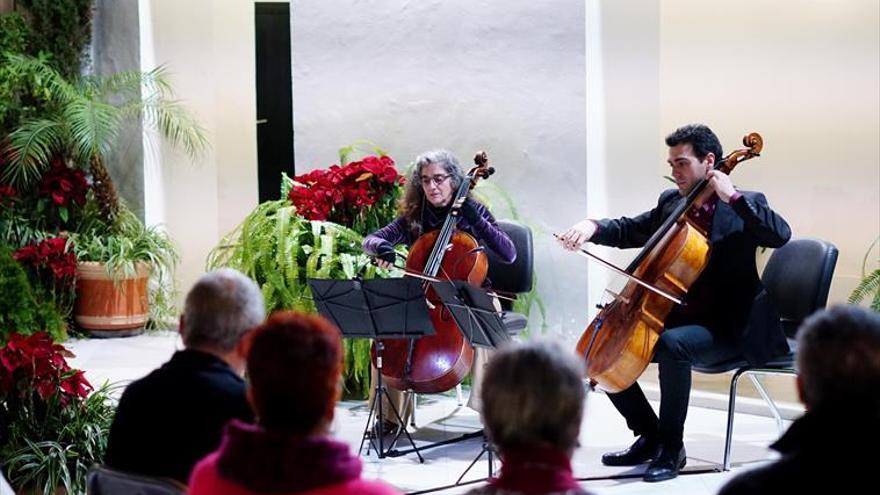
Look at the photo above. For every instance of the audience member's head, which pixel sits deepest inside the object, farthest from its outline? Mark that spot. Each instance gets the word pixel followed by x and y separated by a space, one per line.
pixel 294 365
pixel 219 310
pixel 838 358
pixel 533 396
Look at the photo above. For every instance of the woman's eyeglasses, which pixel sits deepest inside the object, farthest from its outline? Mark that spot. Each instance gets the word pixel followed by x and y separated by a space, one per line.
pixel 436 179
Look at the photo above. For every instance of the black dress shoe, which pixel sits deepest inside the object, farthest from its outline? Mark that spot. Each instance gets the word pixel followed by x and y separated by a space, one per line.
pixel 641 451
pixel 666 465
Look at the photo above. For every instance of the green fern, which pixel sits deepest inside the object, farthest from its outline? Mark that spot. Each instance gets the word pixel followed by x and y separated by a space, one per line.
pixel 869 285
pixel 281 250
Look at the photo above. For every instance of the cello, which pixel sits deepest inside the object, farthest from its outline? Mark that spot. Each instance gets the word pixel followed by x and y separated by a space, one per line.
pixel 439 362
pixel 619 343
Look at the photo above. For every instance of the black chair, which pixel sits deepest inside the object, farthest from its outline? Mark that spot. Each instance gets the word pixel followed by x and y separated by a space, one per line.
pixel 102 480
pixel 516 277
pixel 797 278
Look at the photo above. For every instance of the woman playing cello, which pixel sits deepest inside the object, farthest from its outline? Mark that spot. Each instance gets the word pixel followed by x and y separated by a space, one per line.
pixel 709 327
pixel 426 203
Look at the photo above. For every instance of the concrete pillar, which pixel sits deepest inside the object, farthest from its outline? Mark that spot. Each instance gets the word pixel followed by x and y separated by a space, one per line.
pixel 115 48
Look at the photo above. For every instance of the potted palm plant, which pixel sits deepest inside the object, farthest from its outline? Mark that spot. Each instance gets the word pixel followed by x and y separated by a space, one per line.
pixel 81 123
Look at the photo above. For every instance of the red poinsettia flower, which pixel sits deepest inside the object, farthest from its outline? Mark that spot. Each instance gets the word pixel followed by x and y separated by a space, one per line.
pixel 64 185
pixel 76 384
pixel 36 364
pixel 339 193
pixel 51 254
pixel 7 192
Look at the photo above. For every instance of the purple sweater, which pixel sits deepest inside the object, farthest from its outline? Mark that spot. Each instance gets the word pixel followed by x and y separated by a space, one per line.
pixel 485 230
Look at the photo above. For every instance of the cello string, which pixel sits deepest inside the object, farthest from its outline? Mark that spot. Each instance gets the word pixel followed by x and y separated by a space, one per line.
pixel 586 254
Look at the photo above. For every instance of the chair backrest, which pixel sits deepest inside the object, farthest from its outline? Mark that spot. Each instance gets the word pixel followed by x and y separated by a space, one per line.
pixel 517 276
pixel 797 278
pixel 102 480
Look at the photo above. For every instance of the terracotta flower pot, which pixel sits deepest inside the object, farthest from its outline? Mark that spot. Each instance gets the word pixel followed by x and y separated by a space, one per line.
pixel 111 308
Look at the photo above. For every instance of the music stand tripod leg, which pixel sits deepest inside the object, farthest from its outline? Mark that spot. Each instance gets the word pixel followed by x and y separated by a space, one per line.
pixel 488 450
pixel 376 396
pixel 381 392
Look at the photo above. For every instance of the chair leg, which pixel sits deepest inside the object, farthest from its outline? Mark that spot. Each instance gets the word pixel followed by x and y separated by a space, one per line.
pixel 458 395
pixel 412 405
pixel 731 412
pixel 772 405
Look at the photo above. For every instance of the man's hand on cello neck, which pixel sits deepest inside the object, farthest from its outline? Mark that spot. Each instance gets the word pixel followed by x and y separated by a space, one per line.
pixel 721 184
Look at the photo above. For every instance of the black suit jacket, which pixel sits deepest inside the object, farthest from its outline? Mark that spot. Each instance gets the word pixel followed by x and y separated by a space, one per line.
pixel 819 454
pixel 728 297
pixel 173 417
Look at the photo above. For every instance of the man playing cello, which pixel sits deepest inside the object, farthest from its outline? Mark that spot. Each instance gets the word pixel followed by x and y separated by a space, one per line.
pixel 710 326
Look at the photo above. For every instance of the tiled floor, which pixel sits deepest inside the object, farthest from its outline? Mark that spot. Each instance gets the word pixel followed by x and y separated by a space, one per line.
pixel 439 416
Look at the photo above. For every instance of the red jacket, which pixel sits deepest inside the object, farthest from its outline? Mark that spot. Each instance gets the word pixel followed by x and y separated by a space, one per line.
pixel 253 461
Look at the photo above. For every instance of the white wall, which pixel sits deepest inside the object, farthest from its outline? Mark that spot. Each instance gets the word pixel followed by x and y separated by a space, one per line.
pixel 626 110
pixel 511 78
pixel 806 74
pixel 208 47
pixel 803 73
pixel 506 77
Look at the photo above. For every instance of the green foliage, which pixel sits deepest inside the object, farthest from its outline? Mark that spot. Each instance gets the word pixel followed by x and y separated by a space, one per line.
pixel 17 91
pixel 80 122
pixel 869 285
pixel 56 31
pixel 53 447
pixel 23 308
pixel 15 34
pixel 358 150
pixel 63 29
pixel 18 227
pixel 88 115
pixel 124 244
pixel 281 250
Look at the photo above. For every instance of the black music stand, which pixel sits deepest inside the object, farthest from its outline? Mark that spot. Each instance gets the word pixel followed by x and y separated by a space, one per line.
pixel 474 312
pixel 478 320
pixel 376 309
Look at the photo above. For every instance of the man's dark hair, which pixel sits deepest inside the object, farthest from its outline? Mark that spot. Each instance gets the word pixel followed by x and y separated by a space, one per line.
pixel 701 139
pixel 838 357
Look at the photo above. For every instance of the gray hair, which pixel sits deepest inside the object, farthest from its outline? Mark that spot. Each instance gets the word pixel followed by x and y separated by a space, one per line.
pixel 443 158
pixel 220 309
pixel 533 395
pixel 838 357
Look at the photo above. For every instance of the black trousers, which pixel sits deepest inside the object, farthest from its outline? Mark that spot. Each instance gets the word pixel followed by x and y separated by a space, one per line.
pixel 676 351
